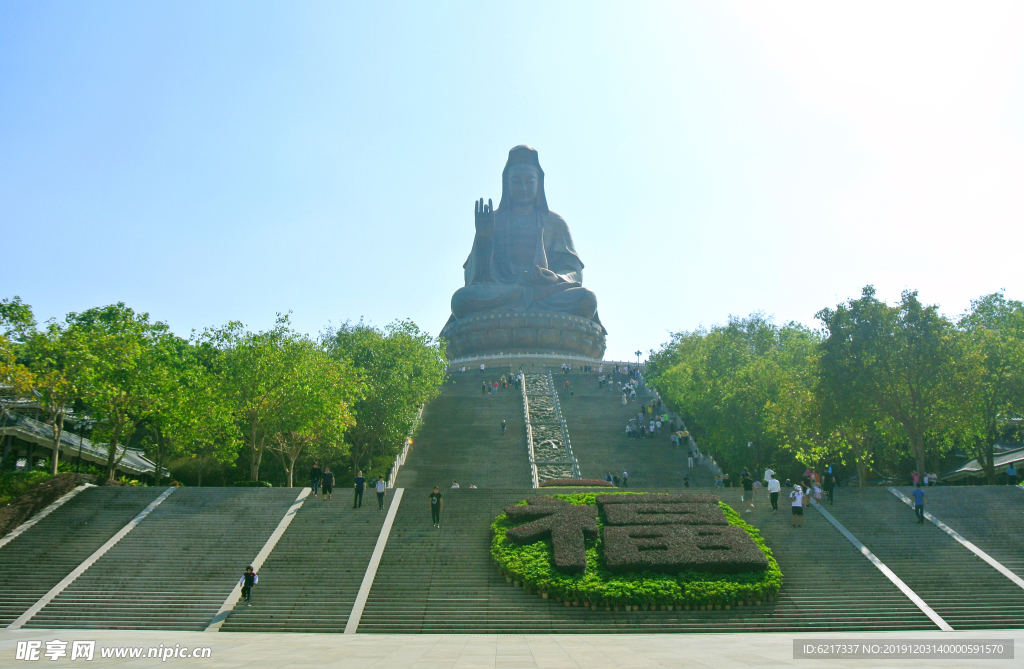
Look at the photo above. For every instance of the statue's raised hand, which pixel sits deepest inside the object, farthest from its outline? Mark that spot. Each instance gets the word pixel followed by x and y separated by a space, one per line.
pixel 484 218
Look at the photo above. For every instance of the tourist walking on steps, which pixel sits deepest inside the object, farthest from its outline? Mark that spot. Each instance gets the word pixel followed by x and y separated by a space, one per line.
pixel 503 426
pixel 748 491
pixel 328 483
pixel 625 479
pixel 774 487
pixel 830 487
pixel 360 485
pixel 919 503
pixel 315 475
pixel 436 504
pixel 382 488
pixel 797 497
pixel 249 579
pixel 1011 474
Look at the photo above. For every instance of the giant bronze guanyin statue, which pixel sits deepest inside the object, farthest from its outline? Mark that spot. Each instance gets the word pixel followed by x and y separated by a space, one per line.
pixel 524 281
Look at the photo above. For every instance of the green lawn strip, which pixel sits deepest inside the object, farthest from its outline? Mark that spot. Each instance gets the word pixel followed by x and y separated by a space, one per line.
pixel 533 566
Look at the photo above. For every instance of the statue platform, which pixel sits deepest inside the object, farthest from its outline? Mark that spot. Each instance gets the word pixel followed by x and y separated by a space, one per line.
pixel 531 332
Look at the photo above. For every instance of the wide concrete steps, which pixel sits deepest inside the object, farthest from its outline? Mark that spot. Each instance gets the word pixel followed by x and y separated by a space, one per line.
pixel 963 589
pixel 444 581
pixel 461 437
pixel 984 515
pixel 597 427
pixel 309 583
pixel 40 558
pixel 175 569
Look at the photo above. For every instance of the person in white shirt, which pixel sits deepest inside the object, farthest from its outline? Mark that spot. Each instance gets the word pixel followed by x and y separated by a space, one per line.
pixel 455 485
pixel 768 475
pixel 381 491
pixel 797 497
pixel 774 487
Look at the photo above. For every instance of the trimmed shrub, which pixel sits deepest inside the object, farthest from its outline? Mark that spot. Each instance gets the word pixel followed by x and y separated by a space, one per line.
pixel 567 527
pixel 657 498
pixel 663 514
pixel 676 548
pixel 581 483
pixel 533 566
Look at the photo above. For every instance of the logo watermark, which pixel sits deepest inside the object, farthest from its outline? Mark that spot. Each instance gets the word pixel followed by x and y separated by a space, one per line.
pixel 31 651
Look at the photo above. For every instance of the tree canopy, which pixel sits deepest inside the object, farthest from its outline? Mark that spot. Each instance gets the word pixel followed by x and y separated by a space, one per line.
pixel 877 385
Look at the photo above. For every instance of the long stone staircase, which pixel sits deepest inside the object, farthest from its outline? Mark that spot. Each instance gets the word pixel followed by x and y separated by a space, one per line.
pixel 310 581
pixel 963 589
pixel 40 558
pixel 444 581
pixel 175 569
pixel 988 516
pixel 461 437
pixel 597 421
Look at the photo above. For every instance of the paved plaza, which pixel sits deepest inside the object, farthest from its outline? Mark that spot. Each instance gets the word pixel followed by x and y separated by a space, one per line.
pixel 570 651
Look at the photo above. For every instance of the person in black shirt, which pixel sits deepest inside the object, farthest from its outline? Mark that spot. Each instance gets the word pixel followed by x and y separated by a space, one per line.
pixel 328 483
pixel 314 477
pixel 830 487
pixel 357 501
pixel 436 504
pixel 249 579
pixel 748 490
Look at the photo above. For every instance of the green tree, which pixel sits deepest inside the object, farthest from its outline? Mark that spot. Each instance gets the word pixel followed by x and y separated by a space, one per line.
pixel 285 391
pixel 58 367
pixel 195 418
pixel 126 363
pixel 743 388
pixel 991 375
pixel 317 407
pixel 900 362
pixel 255 371
pixel 402 368
pixel 16 319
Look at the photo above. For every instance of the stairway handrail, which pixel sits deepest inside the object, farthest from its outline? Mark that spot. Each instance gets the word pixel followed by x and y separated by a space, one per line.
pixel 529 433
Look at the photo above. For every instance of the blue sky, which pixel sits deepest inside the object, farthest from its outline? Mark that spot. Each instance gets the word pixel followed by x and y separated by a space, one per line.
pixel 208 162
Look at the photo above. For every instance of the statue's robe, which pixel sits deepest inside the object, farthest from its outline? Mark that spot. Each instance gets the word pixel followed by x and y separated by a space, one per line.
pixel 497 272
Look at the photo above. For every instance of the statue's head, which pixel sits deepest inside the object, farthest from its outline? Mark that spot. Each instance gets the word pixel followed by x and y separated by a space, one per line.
pixel 522 182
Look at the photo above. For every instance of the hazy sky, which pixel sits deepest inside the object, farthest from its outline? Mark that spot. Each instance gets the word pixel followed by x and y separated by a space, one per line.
pixel 208 162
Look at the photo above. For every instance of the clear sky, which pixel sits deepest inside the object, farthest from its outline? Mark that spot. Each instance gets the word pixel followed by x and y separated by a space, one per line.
pixel 220 161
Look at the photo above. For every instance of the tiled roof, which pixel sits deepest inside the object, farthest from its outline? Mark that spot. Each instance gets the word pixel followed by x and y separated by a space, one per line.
pixel 29 429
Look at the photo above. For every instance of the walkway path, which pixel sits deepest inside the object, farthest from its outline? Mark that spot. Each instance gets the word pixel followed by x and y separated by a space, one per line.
pixel 568 651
